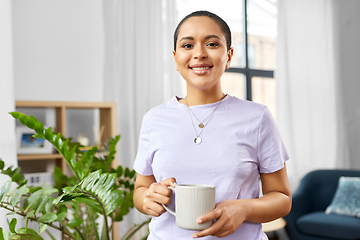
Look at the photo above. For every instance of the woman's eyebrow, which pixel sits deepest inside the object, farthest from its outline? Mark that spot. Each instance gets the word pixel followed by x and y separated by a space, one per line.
pixel 186 38
pixel 212 36
pixel 206 37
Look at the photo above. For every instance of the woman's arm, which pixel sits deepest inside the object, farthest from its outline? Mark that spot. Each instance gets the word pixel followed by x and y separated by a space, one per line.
pixel 149 195
pixel 230 214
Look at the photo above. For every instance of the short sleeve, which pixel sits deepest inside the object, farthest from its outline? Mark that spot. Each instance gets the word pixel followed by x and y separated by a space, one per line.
pixel 143 161
pixel 271 150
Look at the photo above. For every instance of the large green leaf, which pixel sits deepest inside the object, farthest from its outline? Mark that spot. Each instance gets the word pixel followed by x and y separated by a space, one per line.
pixel 48 217
pixel 61 216
pixel 90 180
pixel 114 201
pixel 75 222
pixel 16 177
pixel 39 128
pixel 99 184
pixel 32 201
pixel 49 134
pixel 5 190
pixel 49 205
pixel 61 209
pixel 17 195
pixel 67 197
pixel 30 122
pixel 15 114
pixel 28 234
pixel 89 202
pixel 43 202
pixel 2 164
pixel 22 118
pixel 48 190
pixel 107 186
pixel 2 237
pixel 12 225
pixel 43 227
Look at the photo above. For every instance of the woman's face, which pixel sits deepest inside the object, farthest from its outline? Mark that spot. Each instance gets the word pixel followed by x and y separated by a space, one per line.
pixel 201 55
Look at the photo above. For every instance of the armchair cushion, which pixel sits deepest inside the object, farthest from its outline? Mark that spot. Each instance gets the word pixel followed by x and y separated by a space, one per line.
pixel 329 225
pixel 347 198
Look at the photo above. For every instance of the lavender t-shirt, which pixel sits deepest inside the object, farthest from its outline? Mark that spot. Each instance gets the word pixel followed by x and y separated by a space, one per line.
pixel 240 140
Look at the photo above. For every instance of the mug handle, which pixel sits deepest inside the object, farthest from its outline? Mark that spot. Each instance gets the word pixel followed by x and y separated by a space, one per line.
pixel 166 208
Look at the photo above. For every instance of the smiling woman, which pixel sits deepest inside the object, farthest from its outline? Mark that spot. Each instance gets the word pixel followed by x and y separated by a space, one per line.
pixel 239 141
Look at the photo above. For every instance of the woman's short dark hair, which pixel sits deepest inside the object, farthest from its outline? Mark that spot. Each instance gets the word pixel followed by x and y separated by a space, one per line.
pixel 223 25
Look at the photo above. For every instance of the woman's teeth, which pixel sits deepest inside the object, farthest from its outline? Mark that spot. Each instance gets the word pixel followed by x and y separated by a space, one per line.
pixel 200 68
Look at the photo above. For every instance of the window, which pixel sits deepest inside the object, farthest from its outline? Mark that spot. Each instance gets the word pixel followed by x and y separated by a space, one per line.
pixel 251 75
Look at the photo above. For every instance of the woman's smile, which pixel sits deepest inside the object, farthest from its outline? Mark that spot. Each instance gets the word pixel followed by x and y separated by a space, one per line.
pixel 200 69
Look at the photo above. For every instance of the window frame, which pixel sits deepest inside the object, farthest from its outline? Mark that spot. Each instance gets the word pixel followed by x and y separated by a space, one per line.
pixel 248 72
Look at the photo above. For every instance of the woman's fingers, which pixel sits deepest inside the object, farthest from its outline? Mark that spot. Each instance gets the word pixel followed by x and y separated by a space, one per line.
pixel 153 208
pixel 213 229
pixel 211 216
pixel 169 182
pixel 157 194
pixel 229 215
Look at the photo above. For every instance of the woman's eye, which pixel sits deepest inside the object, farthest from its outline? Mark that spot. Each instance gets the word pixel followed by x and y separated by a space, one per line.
pixel 187 46
pixel 213 44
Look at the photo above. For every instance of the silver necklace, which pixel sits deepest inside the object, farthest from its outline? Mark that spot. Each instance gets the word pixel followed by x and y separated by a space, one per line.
pixel 202 124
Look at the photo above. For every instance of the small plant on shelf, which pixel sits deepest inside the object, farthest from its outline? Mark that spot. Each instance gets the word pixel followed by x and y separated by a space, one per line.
pixel 75 203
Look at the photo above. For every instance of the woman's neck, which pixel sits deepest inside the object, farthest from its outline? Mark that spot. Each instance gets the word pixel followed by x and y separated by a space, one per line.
pixel 192 99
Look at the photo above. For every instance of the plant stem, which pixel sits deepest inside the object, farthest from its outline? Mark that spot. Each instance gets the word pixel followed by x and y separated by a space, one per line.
pixel 92 220
pixel 137 227
pixel 104 211
pixel 50 235
pixel 105 216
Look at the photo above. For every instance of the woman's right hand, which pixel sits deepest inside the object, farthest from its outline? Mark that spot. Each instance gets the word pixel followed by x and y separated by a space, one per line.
pixel 154 194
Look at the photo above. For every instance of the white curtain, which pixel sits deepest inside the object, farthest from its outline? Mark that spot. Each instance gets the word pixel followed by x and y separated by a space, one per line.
pixel 139 68
pixel 311 98
pixel 7 102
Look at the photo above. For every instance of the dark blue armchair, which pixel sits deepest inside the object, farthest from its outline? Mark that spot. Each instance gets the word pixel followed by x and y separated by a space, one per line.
pixel 307 219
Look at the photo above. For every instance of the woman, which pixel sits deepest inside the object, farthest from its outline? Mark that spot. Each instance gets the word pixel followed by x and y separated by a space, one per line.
pixel 211 138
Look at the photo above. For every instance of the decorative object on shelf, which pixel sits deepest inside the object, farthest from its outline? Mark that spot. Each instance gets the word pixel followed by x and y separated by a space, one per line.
pixel 98 134
pixel 26 143
pixel 95 190
pixel 83 140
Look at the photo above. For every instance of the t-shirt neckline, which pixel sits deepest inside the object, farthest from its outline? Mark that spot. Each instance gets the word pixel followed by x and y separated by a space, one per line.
pixel 202 106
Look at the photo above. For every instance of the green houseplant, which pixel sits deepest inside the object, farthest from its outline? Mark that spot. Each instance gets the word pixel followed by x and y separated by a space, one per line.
pixel 75 204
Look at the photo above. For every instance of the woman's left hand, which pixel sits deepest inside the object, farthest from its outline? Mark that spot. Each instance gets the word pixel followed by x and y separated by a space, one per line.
pixel 229 215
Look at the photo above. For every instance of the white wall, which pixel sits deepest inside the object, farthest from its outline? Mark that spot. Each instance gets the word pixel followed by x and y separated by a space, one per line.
pixel 7 123
pixel 58 50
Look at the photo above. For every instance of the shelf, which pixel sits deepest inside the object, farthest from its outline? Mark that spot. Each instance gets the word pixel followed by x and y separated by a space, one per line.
pixel 38 156
pixel 71 105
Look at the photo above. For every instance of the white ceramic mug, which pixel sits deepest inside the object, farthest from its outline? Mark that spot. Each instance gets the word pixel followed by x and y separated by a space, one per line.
pixel 191 202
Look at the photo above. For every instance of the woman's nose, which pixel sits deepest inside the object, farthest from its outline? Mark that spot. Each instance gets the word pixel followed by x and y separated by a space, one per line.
pixel 199 53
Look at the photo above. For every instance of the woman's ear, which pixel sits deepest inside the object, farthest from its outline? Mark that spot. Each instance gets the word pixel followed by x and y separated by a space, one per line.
pixel 230 55
pixel 174 53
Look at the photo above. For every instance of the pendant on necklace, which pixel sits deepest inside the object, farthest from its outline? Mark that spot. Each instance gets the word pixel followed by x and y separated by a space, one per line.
pixel 201 125
pixel 197 140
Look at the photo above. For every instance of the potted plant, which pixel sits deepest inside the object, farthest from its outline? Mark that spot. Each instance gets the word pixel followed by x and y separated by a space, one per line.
pixel 76 203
